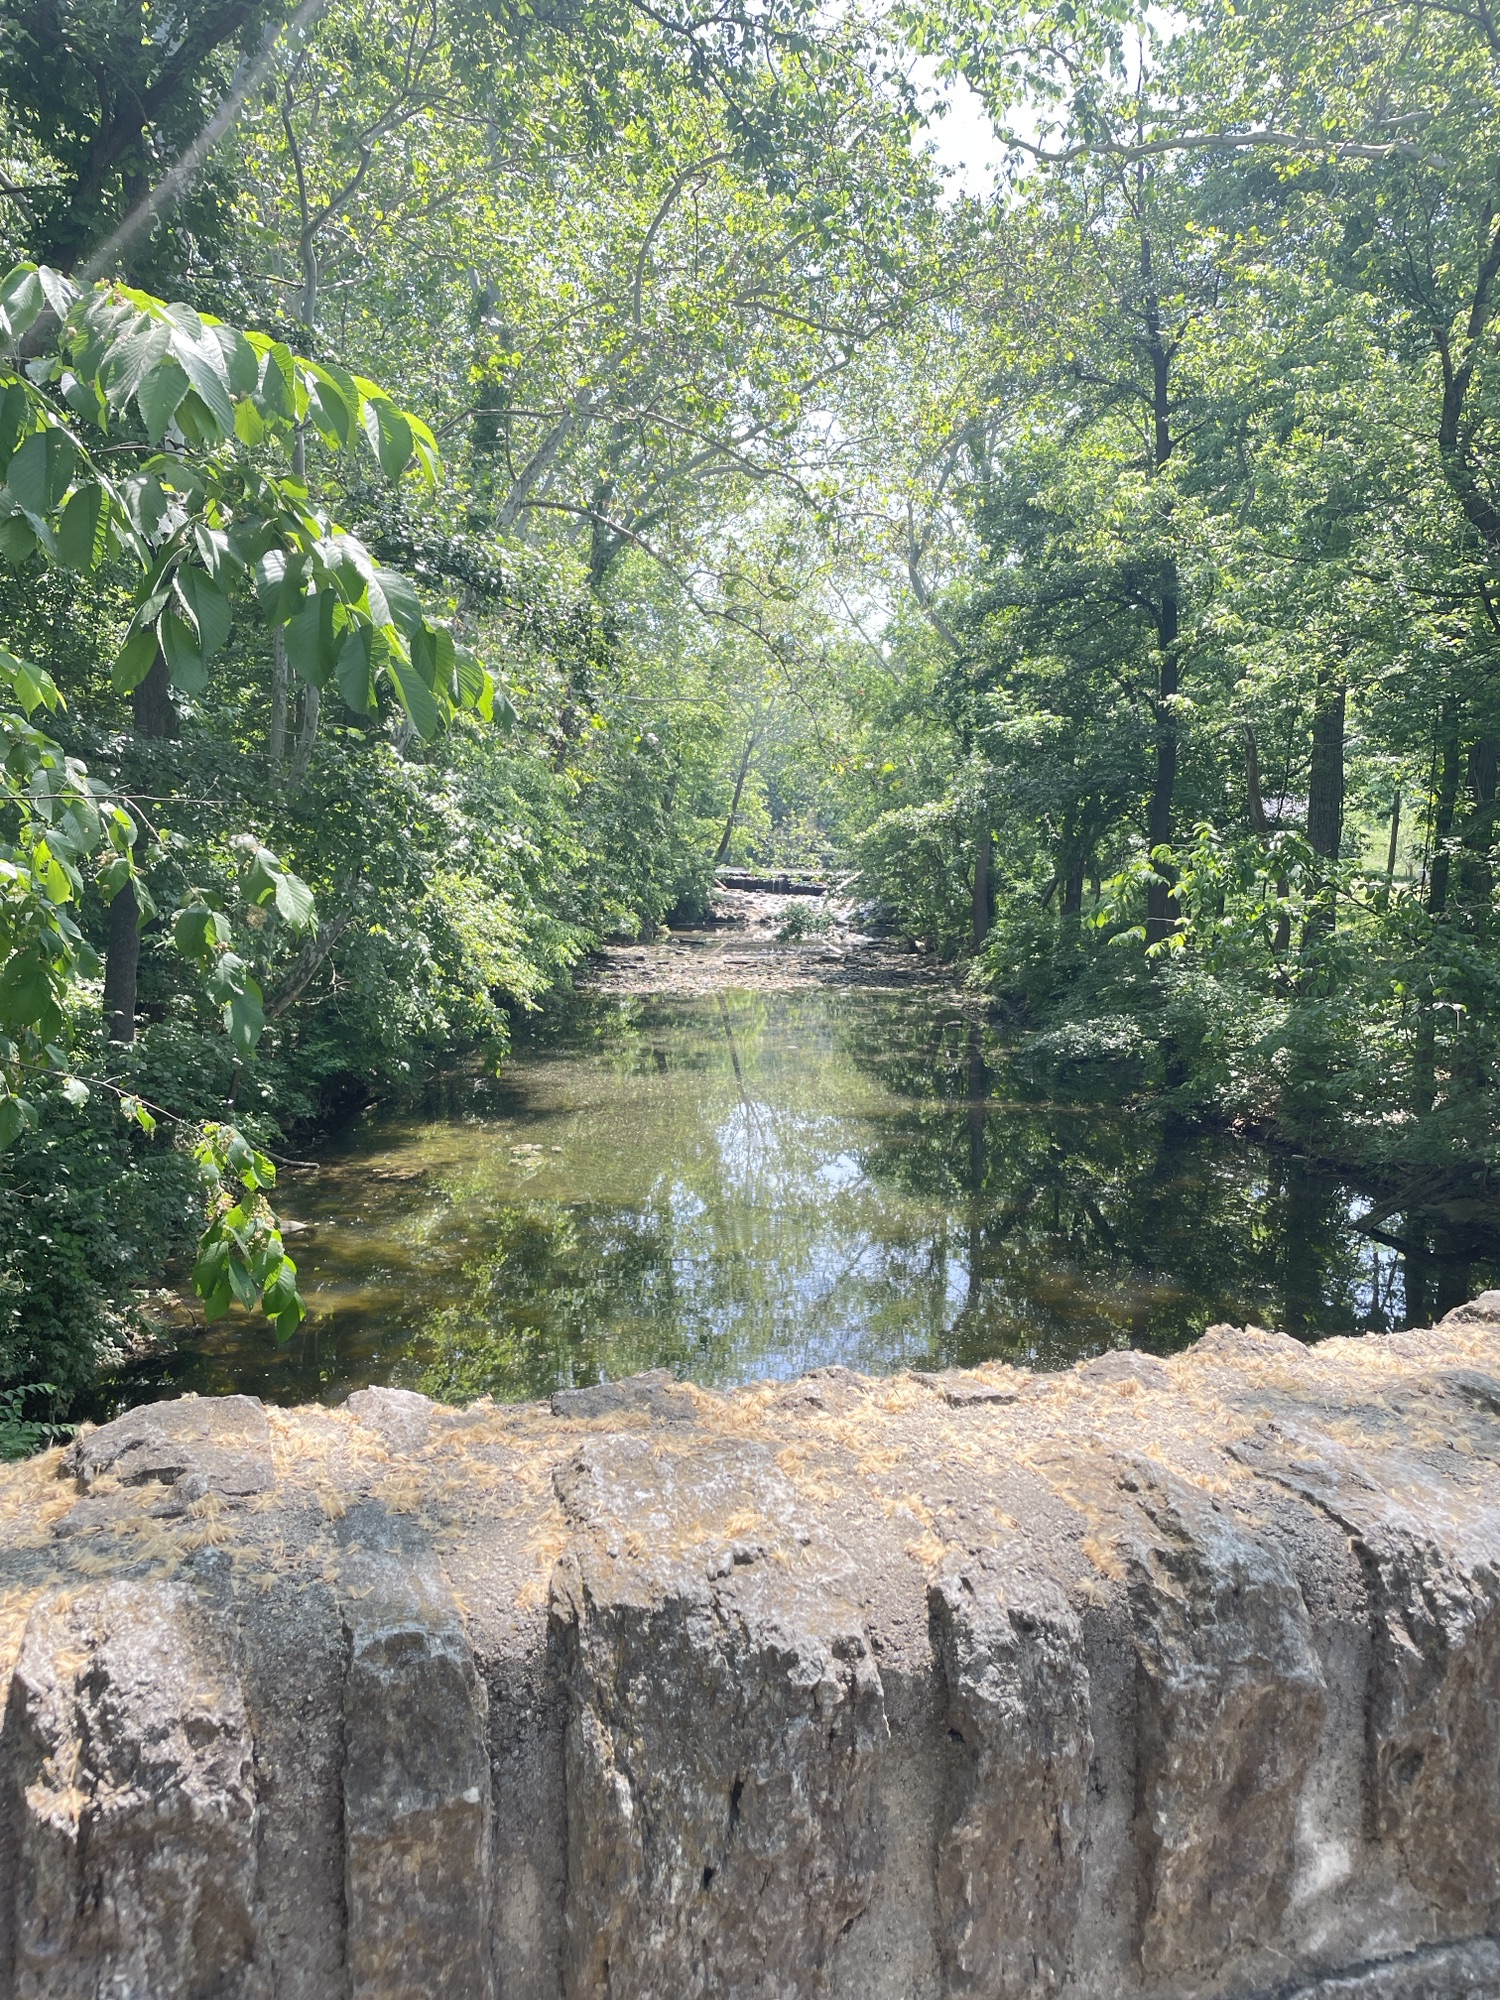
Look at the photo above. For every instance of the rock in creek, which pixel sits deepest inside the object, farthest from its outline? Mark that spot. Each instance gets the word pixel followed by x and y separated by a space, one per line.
pixel 1176 1679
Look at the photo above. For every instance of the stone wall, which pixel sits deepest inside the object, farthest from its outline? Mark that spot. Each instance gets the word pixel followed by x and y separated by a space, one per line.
pixel 1154 1678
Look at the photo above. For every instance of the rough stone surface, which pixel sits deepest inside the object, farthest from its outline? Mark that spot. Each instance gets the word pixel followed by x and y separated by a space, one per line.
pixel 1155 1680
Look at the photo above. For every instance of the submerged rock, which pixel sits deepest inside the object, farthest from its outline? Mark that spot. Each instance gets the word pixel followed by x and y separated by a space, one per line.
pixel 1176 1679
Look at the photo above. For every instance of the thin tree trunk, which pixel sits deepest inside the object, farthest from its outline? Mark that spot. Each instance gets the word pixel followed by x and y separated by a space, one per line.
pixel 1476 873
pixel 155 718
pixel 1445 801
pixel 1390 853
pixel 1161 902
pixel 307 735
pixel 1260 823
pixel 983 903
pixel 1254 797
pixel 280 687
pixel 734 803
pixel 1325 807
pixel 1445 804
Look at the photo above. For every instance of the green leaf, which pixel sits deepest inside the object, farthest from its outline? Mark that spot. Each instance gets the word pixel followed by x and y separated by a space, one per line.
pixel 209 606
pixel 82 535
pixel 15 1117
pixel 15 413
pixel 60 292
pixel 202 358
pixel 249 426
pixel 425 446
pixel 240 363
pixel 132 1108
pixel 245 1018
pixel 353 671
pixel 34 687
pixel 160 397
pixel 21 300
pixel 199 932
pixel 401 602
pixel 135 661
pixel 25 989
pixel 185 662
pixel 389 434
pixel 294 901
pixel 17 541
pixel 40 471
pixel 330 413
pixel 416 699
pixel 276 382
pixel 309 640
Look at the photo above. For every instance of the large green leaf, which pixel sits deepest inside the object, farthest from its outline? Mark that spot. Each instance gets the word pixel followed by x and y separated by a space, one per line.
pixel 241 365
pixel 309 640
pixel 201 356
pixel 330 408
pixel 135 660
pixel 389 434
pixel 416 699
pixel 209 606
pixel 82 535
pixel 160 397
pixel 403 607
pixel 39 473
pixel 25 989
pixel 245 1017
pixel 15 413
pixel 295 903
pixel 353 671
pixel 21 300
pixel 185 661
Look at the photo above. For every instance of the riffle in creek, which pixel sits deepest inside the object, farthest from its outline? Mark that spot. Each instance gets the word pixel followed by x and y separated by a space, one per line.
pixel 1154 1677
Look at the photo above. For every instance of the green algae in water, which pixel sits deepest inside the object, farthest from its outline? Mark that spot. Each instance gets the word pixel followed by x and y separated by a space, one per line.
pixel 755 1184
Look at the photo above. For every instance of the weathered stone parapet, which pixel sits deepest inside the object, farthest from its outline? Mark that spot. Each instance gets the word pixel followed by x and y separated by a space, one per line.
pixel 1173 1679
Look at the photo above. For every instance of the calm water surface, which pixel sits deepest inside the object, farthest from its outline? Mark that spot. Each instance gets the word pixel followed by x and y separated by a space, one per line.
pixel 746 1185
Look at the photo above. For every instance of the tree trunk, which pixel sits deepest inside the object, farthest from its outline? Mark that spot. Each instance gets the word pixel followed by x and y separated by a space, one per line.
pixel 1072 902
pixel 1325 807
pixel 1476 872
pixel 280 679
pixel 983 904
pixel 1161 903
pixel 307 735
pixel 1325 790
pixel 1445 801
pixel 1390 853
pixel 1255 800
pixel 734 803
pixel 155 718
pixel 1444 806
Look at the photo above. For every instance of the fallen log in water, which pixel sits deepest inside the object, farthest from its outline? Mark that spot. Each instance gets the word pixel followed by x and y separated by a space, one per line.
pixel 1156 1678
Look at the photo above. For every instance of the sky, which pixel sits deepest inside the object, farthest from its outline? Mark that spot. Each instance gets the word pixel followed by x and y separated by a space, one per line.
pixel 962 139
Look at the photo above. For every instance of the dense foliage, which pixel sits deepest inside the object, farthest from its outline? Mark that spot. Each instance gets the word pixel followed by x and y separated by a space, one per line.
pixel 468 471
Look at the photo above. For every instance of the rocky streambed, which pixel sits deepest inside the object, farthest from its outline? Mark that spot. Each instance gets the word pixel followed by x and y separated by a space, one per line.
pixel 1158 1678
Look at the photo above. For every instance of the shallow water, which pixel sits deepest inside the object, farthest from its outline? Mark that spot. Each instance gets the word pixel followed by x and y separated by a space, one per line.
pixel 753 1184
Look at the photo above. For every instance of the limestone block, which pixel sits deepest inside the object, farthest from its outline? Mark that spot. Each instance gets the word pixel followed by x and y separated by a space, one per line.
pixel 1009 1873
pixel 128 1770
pixel 726 1720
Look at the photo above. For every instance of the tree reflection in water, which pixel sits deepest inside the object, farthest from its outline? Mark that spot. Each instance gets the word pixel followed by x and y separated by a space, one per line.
pixel 755 1184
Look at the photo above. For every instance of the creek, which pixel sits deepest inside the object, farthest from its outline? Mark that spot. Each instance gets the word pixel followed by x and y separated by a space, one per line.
pixel 736 1184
